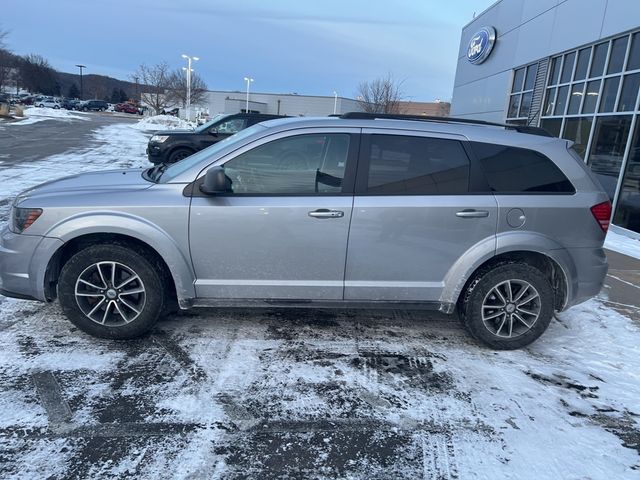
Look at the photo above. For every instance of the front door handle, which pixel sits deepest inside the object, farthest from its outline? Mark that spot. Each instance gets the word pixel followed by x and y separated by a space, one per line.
pixel 471 213
pixel 326 213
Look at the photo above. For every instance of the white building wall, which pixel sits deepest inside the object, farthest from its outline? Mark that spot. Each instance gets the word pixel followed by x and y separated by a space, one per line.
pixel 283 104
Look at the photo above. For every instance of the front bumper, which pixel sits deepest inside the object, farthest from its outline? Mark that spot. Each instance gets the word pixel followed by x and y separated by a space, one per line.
pixel 23 264
pixel 155 153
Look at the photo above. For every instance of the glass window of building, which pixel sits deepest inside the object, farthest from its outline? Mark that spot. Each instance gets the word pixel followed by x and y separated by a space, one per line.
pixel 609 93
pixel 577 92
pixel 634 53
pixel 567 67
pixel 629 93
pixel 577 130
pixel 591 96
pixel 618 52
pixel 627 213
pixel 583 63
pixel 599 57
pixel 561 100
pixel 555 70
pixel 609 143
pixel 552 125
pixel 524 80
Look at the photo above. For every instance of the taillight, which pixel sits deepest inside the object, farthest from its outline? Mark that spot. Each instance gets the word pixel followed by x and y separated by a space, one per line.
pixel 602 213
pixel 23 218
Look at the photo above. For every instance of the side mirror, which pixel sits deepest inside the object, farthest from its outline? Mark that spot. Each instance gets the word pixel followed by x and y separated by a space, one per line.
pixel 215 182
pixel 213 131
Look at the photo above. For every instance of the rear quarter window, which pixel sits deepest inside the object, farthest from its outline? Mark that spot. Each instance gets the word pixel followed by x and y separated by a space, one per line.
pixel 520 170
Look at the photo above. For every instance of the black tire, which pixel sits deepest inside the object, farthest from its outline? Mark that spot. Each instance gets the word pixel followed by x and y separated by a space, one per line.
pixel 150 280
pixel 179 154
pixel 477 294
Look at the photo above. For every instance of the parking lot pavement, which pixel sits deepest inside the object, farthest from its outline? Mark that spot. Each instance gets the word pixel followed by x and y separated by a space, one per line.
pixel 31 142
pixel 317 394
pixel 311 393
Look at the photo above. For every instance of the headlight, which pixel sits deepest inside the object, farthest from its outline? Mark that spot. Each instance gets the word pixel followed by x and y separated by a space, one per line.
pixel 159 138
pixel 23 218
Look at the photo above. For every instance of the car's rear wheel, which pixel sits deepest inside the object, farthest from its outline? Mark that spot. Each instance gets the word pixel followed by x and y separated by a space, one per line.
pixel 179 154
pixel 507 306
pixel 111 291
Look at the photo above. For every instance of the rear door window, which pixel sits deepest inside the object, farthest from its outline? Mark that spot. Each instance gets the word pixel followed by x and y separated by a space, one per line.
pixel 410 165
pixel 519 170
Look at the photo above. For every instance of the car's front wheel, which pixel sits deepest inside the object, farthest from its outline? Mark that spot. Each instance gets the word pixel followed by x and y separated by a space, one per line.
pixel 179 154
pixel 507 306
pixel 111 291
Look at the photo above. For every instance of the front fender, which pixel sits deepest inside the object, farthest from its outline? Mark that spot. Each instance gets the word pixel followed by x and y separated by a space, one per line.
pixel 119 223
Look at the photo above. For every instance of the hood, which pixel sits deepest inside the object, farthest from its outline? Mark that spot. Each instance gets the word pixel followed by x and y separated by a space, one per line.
pixel 173 132
pixel 92 182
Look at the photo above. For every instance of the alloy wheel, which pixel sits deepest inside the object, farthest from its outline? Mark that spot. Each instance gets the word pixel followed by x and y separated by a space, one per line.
pixel 110 293
pixel 511 308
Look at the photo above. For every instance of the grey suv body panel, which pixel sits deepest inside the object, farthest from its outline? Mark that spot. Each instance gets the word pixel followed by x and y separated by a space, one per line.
pixel 382 249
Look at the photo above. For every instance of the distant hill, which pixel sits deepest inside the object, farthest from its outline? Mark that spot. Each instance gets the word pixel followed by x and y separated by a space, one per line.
pixel 96 86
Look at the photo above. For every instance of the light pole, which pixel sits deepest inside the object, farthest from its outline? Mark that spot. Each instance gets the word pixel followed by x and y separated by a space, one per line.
pixel 248 80
pixel 335 102
pixel 189 70
pixel 81 86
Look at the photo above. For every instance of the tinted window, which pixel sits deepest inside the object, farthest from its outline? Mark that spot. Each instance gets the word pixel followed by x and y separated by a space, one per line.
pixel 519 170
pixel 567 67
pixel 303 164
pixel 404 165
pixel 599 57
pixel 231 126
pixel 618 51
pixel 583 63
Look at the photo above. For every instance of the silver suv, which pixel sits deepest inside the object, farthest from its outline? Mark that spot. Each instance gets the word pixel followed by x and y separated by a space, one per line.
pixel 499 222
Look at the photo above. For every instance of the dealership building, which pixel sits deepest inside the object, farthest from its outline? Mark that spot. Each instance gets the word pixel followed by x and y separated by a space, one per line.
pixel 571 67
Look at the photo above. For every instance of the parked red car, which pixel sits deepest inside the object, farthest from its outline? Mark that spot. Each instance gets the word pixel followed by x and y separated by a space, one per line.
pixel 127 108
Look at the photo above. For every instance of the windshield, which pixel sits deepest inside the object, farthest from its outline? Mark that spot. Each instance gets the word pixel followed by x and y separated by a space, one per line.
pixel 207 126
pixel 183 165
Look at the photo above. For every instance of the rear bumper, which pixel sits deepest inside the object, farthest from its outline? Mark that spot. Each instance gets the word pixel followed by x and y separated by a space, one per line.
pixel 591 268
pixel 23 264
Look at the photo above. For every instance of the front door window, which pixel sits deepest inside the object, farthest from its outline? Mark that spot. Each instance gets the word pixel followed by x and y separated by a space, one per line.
pixel 300 165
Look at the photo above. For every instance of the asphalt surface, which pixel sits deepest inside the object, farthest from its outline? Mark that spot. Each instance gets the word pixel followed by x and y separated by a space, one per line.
pixel 26 143
pixel 309 393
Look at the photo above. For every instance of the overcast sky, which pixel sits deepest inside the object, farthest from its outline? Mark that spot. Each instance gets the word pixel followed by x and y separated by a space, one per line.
pixel 308 47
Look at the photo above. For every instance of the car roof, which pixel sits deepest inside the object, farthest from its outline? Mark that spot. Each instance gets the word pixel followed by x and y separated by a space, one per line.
pixel 473 131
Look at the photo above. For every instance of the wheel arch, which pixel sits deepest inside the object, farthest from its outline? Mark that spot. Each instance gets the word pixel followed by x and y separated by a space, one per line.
pixel 542 252
pixel 175 266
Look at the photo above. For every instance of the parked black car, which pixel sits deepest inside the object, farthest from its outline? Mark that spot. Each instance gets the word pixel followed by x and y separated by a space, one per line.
pixel 70 104
pixel 174 145
pixel 95 105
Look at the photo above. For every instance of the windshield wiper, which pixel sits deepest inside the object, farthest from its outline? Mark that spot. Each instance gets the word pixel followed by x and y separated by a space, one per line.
pixel 154 173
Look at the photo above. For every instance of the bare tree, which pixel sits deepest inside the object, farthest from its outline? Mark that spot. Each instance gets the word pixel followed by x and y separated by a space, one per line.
pixel 382 95
pixel 3 36
pixel 154 83
pixel 177 88
pixel 37 75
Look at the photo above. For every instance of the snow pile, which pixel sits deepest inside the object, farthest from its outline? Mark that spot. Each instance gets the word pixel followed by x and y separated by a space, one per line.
pixel 622 244
pixel 162 122
pixel 37 114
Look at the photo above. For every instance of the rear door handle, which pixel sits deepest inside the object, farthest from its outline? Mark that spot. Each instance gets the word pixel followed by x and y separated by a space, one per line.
pixel 326 213
pixel 471 213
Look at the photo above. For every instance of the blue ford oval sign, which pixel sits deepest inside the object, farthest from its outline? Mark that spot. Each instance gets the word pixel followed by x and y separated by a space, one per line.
pixel 481 44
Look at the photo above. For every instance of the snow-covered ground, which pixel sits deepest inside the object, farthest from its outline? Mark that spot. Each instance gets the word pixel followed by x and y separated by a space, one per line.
pixel 308 393
pixel 622 244
pixel 37 114
pixel 163 122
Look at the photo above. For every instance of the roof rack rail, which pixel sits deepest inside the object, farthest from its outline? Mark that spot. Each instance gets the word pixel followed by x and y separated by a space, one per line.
pixel 427 118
